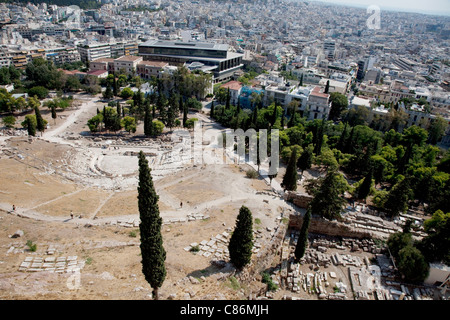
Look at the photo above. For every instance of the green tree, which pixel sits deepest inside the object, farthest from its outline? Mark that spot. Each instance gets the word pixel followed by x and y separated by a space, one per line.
pixel 95 122
pixel 306 158
pixel 412 265
pixel 290 177
pixel 53 114
pixel 397 241
pixel 437 129
pixel 152 250
pixel 328 199
pixel 115 86
pixel 413 137
pixel 9 121
pixel 148 123
pixel 435 244
pixel 339 103
pixel 398 198
pixel 293 105
pixel 158 127
pixel 241 242
pixel 302 241
pixel 366 185
pixel 211 114
pixel 72 83
pixel 185 118
pixel 227 104
pixel 327 87
pixel 30 124
pixel 108 93
pixel 126 93
pixel 190 123
pixel 39 92
pixel 129 124
pixel 20 104
pixel 40 122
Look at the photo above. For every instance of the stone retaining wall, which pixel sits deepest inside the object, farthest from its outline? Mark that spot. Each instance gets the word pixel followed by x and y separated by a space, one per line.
pixel 331 228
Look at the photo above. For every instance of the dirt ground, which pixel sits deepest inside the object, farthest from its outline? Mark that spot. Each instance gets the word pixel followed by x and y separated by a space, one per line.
pixel 112 269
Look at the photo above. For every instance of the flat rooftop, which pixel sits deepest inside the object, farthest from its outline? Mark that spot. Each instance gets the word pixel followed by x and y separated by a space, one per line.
pixel 185 45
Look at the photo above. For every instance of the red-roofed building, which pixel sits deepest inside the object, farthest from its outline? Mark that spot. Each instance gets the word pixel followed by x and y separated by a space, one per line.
pixel 318 105
pixel 235 90
pixel 98 73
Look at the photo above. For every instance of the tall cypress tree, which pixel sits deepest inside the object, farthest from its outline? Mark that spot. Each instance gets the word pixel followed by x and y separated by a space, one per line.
pixel 54 114
pixel 152 250
pixel 274 115
pixel 305 160
pixel 241 242
pixel 340 145
pixel 255 116
pixel 115 87
pixel 180 104
pixel 364 188
pixel 327 87
pixel 40 123
pixel 211 114
pixel 292 119
pixel 302 241
pixel 290 177
pixel 185 118
pixel 148 123
pixel 238 108
pixel 119 109
pixel 319 138
pixel 228 103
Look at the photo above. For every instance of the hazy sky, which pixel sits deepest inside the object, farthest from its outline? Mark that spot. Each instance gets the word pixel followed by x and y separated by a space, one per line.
pixel 441 7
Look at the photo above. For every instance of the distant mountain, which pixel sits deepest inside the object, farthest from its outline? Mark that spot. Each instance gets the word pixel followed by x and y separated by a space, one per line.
pixel 83 4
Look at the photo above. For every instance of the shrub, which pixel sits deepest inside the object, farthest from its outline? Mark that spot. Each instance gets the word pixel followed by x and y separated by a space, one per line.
pixel 267 279
pixel 32 246
pixel 195 249
pixel 234 283
pixel 251 174
pixel 132 234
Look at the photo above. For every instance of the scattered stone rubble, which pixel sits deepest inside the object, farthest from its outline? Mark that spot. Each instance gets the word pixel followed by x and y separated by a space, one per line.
pixel 14 132
pixel 217 247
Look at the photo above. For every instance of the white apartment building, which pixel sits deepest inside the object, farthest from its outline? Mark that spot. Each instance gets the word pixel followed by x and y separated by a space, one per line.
pixel 62 55
pixel 313 103
pixel 89 52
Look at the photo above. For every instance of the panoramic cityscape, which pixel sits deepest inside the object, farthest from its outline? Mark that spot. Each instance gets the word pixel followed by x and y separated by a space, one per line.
pixel 226 150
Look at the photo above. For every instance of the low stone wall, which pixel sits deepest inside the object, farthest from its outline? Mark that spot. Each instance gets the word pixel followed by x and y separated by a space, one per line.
pixel 301 200
pixel 331 228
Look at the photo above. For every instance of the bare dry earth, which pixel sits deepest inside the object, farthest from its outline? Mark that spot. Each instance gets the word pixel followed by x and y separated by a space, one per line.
pixel 112 253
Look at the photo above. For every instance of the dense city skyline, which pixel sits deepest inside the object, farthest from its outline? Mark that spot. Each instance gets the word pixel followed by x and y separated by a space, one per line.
pixel 433 7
